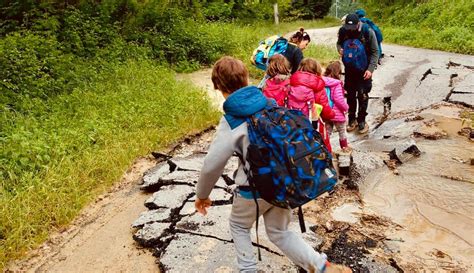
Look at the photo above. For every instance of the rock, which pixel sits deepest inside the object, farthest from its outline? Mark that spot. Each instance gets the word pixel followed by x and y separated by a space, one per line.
pixel 190 163
pixel 150 234
pixel 214 256
pixel 188 208
pixel 218 195
pixel 151 216
pixel 180 177
pixel 150 180
pixel 370 243
pixel 329 226
pixel 414 118
pixel 344 163
pixel 405 151
pixel 472 161
pixel 463 98
pixel 430 131
pixel 171 196
pixel 364 163
pixel 215 223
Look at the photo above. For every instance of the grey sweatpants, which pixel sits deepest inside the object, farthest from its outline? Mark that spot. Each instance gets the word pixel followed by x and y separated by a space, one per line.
pixel 276 225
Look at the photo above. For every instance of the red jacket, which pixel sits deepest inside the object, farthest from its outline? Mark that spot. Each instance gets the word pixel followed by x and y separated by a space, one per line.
pixel 302 82
pixel 277 88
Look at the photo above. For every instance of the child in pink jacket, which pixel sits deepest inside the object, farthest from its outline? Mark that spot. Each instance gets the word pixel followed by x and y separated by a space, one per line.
pixel 332 79
pixel 278 84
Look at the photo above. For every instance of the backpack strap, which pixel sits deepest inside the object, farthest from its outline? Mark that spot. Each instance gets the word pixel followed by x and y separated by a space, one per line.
pixel 301 220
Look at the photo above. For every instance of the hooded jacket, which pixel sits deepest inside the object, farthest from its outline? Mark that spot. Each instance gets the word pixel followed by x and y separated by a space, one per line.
pixel 340 106
pixel 277 88
pixel 231 136
pixel 308 87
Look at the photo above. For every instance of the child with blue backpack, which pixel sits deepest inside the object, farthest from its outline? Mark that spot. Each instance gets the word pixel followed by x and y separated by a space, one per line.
pixel 230 77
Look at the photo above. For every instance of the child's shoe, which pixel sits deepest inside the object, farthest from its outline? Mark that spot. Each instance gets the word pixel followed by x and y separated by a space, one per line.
pixel 347 150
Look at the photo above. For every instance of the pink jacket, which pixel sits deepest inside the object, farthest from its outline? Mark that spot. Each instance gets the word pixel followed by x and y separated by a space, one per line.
pixel 277 88
pixel 307 87
pixel 337 96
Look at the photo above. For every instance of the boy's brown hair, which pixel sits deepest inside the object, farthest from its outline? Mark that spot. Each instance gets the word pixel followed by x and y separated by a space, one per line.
pixel 278 64
pixel 311 65
pixel 229 74
pixel 333 70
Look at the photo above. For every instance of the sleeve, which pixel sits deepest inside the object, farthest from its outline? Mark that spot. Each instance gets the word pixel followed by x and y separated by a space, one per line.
pixel 338 98
pixel 373 51
pixel 297 58
pixel 219 152
pixel 340 39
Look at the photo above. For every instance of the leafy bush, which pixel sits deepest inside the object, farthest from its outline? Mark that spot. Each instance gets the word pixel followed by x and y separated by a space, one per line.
pixel 309 9
pixel 430 24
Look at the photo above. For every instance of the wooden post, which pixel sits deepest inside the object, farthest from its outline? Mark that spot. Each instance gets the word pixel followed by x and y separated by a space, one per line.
pixel 275 12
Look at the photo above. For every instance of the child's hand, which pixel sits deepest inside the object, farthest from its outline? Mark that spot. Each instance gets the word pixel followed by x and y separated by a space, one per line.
pixel 202 205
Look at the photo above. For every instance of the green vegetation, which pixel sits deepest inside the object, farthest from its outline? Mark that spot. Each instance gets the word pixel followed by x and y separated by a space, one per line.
pixel 435 24
pixel 88 87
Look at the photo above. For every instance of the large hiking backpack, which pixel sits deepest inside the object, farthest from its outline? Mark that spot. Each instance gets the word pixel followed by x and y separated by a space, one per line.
pixel 374 27
pixel 267 48
pixel 289 164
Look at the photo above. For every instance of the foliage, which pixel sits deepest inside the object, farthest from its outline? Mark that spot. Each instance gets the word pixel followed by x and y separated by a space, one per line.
pixel 434 24
pixel 309 9
pixel 343 7
pixel 58 157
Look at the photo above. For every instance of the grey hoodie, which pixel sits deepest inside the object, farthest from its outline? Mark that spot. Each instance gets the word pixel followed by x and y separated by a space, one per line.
pixel 231 137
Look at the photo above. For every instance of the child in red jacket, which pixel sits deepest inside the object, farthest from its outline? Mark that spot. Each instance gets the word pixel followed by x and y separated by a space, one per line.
pixel 307 86
pixel 306 89
pixel 278 84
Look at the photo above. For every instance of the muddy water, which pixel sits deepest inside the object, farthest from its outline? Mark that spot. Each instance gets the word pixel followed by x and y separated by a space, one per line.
pixel 436 211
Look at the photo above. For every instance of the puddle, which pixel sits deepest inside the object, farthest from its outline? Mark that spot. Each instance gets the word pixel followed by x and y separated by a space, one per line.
pixel 437 213
pixel 346 213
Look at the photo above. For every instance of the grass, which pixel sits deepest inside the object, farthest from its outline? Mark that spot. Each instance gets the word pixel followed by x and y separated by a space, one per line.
pixel 66 150
pixel 245 37
pixel 432 24
pixel 451 39
pixel 91 137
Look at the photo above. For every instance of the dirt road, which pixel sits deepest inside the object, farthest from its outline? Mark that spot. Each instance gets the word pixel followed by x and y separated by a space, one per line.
pixel 415 217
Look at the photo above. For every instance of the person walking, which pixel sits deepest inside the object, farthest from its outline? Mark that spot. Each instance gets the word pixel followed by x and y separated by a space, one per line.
pixel 358 48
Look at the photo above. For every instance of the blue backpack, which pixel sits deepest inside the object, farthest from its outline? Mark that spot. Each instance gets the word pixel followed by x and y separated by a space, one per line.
pixel 374 27
pixel 354 56
pixel 289 164
pixel 267 48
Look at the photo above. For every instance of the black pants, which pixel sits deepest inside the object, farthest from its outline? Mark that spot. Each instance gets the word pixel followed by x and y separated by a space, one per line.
pixel 357 93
